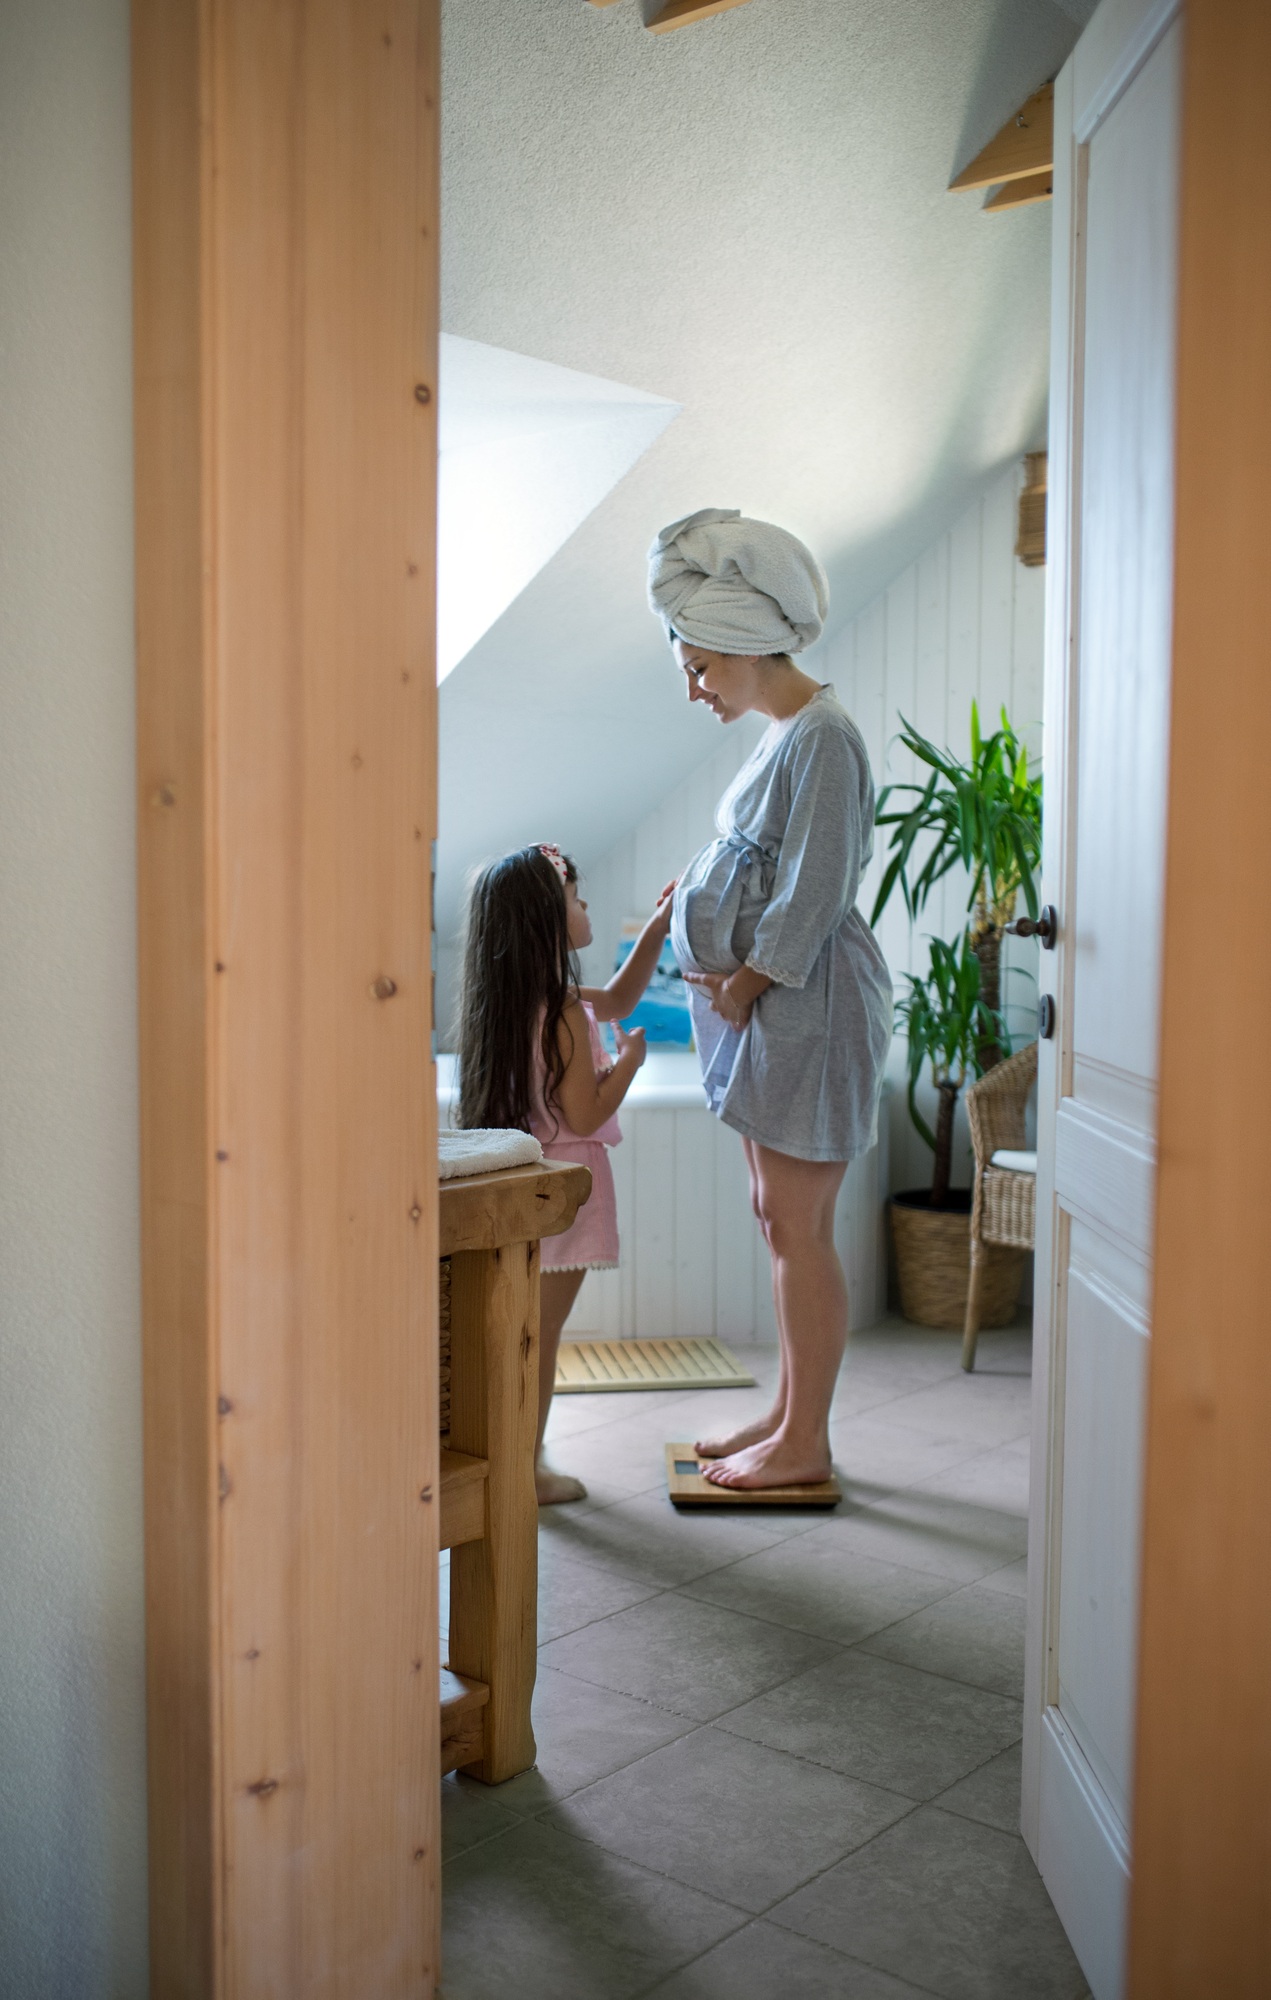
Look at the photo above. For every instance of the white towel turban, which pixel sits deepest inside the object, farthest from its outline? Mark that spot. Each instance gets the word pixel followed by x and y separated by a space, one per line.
pixel 736 586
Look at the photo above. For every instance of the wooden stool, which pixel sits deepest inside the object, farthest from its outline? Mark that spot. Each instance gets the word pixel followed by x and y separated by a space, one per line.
pixel 490 1230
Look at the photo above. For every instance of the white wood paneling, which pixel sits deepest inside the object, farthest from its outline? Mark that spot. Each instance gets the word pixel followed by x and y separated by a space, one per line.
pixel 693 1259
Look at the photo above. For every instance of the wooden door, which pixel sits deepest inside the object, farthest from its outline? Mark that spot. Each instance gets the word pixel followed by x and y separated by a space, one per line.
pixel 1107 710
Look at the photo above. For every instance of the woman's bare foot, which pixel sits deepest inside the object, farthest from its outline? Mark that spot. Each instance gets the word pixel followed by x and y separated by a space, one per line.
pixel 771 1462
pixel 554 1487
pixel 724 1447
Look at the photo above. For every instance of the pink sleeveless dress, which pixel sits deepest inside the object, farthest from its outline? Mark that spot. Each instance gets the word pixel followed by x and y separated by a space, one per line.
pixel 591 1243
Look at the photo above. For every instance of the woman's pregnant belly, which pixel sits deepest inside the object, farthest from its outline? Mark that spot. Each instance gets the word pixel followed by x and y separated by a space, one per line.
pixel 719 900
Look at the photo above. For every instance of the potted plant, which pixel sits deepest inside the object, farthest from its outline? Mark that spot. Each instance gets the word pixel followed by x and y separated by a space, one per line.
pixel 984 816
pixel 950 1026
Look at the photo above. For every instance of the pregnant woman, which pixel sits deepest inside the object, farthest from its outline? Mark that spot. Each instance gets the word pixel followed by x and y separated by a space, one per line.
pixel 790 994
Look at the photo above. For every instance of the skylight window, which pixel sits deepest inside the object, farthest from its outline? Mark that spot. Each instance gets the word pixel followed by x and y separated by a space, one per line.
pixel 527 451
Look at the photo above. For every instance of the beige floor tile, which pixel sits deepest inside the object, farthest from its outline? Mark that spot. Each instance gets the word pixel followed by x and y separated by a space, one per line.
pixel 952 1905
pixel 763 1962
pixel 573 1594
pixel 1013 1579
pixel 646 1537
pixel 786 1820
pixel 873 1449
pixel 538 1915
pixel 890 1724
pixel 990 1795
pixel 691 1658
pixel 583 1732
pixel 920 1531
pixel 988 1409
pixel 814 1584
pixel 997 1478
pixel 971 1635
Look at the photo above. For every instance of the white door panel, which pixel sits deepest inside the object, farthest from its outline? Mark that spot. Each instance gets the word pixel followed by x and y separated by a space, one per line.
pixel 1104 1380
pixel 1108 665
pixel 1105 1170
pixel 1124 557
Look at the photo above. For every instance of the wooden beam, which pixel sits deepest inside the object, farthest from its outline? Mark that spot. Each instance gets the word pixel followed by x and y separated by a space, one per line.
pixel 680 13
pixel 1200 1911
pixel 1025 146
pixel 1022 193
pixel 285 310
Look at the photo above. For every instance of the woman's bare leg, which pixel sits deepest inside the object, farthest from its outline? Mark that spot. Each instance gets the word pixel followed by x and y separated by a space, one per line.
pixel 557 1292
pixel 762 1427
pixel 796 1202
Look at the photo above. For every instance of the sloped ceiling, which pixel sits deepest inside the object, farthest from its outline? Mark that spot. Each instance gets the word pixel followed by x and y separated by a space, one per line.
pixel 527 450
pixel 749 218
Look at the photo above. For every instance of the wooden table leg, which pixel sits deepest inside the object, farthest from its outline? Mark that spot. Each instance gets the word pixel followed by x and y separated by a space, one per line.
pixel 494 1415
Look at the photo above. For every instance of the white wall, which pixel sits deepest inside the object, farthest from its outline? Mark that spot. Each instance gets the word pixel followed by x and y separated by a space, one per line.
pixel 72 1756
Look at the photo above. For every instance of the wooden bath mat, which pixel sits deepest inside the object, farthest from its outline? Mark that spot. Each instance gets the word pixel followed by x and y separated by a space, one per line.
pixel 687 1488
pixel 585 1366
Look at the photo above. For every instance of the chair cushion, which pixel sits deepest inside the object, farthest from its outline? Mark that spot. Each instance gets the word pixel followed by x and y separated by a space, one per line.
pixel 1015 1163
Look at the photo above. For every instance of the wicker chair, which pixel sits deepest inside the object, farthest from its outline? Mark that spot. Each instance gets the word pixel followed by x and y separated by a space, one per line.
pixel 1005 1203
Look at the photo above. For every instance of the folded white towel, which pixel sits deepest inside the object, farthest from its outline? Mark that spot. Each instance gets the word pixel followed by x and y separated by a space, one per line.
pixel 481 1151
pixel 1017 1163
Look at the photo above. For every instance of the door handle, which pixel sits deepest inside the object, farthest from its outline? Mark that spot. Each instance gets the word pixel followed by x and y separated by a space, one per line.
pixel 1046 927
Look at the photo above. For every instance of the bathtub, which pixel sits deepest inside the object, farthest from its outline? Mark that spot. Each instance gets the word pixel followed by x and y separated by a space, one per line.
pixel 693 1261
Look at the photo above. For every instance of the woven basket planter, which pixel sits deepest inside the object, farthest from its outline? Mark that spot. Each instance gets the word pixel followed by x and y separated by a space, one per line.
pixel 933 1263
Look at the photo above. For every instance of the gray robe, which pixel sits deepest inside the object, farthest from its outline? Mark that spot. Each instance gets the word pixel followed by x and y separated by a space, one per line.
pixel 777 892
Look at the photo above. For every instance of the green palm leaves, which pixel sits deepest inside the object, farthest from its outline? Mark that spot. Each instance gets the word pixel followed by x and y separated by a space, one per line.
pixel 984 816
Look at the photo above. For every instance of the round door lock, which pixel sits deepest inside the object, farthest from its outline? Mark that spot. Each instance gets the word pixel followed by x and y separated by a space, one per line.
pixel 1046 1016
pixel 1046 927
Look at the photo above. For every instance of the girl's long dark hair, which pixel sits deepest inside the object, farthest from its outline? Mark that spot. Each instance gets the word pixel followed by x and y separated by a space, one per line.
pixel 518 973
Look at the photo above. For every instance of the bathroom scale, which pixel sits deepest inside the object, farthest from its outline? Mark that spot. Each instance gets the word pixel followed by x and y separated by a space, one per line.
pixel 687 1487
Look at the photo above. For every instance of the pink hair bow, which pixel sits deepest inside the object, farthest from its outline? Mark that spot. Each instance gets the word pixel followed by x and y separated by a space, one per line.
pixel 550 852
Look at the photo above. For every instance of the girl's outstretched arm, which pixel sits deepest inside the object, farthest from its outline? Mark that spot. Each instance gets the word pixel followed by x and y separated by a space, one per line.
pixel 586 1099
pixel 623 993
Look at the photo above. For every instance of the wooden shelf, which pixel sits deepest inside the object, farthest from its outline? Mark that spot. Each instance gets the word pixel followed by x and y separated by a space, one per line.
pixel 463 1484
pixel 462 1723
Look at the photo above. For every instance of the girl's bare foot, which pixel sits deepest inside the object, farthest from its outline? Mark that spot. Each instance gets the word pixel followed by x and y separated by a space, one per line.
pixel 554 1487
pixel 724 1447
pixel 771 1462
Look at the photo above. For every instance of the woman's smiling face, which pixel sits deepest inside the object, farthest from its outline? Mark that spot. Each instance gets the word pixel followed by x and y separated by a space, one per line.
pixel 726 682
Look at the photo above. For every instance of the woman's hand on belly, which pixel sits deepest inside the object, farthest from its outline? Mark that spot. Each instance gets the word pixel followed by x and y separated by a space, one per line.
pixel 732 994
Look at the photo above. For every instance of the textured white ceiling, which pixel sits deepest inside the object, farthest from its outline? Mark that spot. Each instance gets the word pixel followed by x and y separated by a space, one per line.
pixel 748 217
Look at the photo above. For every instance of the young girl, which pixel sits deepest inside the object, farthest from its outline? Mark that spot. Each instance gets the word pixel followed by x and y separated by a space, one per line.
pixel 530 1056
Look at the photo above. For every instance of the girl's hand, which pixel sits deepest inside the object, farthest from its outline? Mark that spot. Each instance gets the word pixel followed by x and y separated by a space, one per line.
pixel 633 1041
pixel 715 985
pixel 662 913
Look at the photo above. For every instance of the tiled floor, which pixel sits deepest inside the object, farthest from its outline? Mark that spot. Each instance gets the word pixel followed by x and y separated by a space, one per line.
pixel 778 1753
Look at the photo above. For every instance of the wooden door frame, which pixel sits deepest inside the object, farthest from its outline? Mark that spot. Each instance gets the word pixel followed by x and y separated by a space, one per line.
pixel 1200 1912
pixel 285 302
